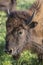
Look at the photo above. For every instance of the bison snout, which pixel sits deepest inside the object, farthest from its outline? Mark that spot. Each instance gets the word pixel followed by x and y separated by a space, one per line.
pixel 9 51
pixel 14 53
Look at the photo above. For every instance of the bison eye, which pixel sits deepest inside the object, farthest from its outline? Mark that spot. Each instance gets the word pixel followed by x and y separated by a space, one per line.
pixel 20 32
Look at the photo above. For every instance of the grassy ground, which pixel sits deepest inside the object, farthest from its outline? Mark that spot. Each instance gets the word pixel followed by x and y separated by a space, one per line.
pixel 26 57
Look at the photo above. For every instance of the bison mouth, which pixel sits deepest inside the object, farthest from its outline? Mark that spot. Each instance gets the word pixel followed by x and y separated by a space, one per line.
pixel 14 54
pixel 8 51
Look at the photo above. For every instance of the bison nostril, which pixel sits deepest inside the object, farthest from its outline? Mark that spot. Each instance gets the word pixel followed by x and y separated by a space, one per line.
pixel 10 51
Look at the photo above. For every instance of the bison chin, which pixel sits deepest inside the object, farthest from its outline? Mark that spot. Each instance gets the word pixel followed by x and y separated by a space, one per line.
pixel 16 56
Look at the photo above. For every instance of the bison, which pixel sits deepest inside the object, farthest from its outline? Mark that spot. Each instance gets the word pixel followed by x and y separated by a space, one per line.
pixel 7 5
pixel 24 30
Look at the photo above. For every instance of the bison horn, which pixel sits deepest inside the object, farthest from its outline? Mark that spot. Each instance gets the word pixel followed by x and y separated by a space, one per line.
pixel 29 20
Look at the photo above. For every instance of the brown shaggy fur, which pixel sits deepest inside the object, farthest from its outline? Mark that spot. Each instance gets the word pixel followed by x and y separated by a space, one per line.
pixel 17 18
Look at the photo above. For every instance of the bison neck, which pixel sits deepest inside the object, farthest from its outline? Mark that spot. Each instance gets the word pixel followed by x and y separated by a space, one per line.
pixel 37 32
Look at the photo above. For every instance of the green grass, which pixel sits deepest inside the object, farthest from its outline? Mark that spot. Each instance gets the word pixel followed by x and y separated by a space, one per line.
pixel 24 4
pixel 26 57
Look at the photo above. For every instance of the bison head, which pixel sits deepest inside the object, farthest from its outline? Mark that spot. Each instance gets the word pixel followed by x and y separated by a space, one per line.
pixel 18 33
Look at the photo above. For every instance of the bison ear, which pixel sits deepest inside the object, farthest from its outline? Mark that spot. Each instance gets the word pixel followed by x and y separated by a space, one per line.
pixel 33 24
pixel 29 20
